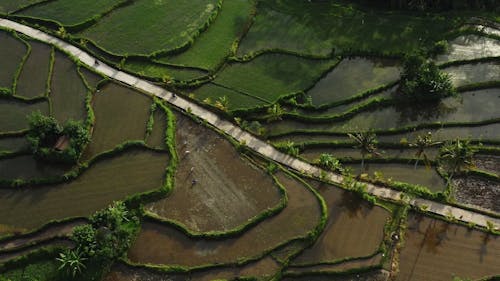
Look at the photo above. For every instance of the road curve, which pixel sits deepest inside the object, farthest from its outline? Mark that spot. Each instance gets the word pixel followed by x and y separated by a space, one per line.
pixel 238 134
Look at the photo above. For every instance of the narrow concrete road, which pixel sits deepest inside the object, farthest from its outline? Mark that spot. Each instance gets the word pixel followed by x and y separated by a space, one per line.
pixel 237 133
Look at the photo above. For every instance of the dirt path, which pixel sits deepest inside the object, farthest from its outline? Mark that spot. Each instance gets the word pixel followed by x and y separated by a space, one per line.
pixel 237 133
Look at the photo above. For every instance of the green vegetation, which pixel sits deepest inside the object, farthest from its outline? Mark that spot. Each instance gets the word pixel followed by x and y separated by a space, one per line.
pixel 210 92
pixel 272 76
pixel 366 142
pixel 13 114
pixel 329 162
pixel 50 141
pixel 12 52
pixel 422 143
pixel 442 5
pixel 316 79
pixel 71 262
pixel 149 26
pixel 69 12
pixel 323 27
pixel 8 6
pixel 108 236
pixel 456 156
pixel 215 45
pixel 423 81
pixel 161 71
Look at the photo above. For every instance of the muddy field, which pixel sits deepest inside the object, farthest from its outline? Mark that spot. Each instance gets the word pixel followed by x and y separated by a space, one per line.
pixel 477 191
pixel 215 188
pixel 436 250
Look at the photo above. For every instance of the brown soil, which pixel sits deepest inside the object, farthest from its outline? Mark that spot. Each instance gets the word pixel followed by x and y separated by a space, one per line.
pixel 354 228
pixel 380 275
pixel 159 244
pixel 228 191
pixel 477 191
pixel 436 250
pixel 489 163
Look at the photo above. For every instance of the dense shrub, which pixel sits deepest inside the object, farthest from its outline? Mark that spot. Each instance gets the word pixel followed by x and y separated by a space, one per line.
pixel 44 134
pixel 109 235
pixel 422 80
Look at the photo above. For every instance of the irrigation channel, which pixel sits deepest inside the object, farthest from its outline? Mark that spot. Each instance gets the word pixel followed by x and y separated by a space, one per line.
pixel 238 134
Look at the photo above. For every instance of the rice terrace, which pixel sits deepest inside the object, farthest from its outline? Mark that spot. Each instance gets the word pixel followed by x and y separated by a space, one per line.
pixel 295 140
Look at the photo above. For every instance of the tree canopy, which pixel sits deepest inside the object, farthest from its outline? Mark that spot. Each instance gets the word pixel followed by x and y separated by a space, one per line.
pixel 422 80
pixel 51 141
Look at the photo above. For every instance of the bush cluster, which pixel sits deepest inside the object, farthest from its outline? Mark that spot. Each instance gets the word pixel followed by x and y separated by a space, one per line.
pixel 45 132
pixel 422 80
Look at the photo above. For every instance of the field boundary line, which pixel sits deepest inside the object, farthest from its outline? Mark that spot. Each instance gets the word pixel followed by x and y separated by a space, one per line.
pixel 252 142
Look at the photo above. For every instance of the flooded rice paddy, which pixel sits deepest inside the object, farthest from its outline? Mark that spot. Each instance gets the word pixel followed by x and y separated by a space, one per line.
pixel 26 167
pixel 435 250
pixel 354 228
pixel 471 106
pixel 227 192
pixel 13 144
pixel 470 47
pixel 157 136
pixel 117 107
pixel 425 176
pixel 485 132
pixel 473 73
pixel 130 172
pixel 340 267
pixel 90 77
pixel 351 77
pixel 32 81
pixel 14 114
pixel 263 269
pixel 12 51
pixel 68 92
pixel 406 153
pixel 158 244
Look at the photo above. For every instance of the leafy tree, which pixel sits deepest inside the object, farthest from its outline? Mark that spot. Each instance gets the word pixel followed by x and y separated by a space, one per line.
pixel 422 80
pixel 456 156
pixel 422 143
pixel 44 132
pixel 85 238
pixel 71 262
pixel 366 142
pixel 109 235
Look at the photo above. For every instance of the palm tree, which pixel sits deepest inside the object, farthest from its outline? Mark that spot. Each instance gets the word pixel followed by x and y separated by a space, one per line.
pixel 366 142
pixel 456 156
pixel 71 261
pixel 422 143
